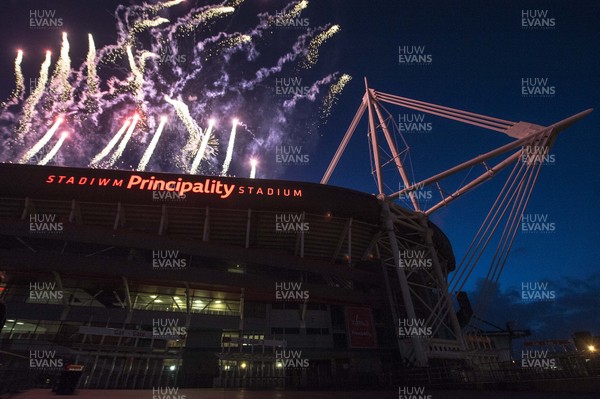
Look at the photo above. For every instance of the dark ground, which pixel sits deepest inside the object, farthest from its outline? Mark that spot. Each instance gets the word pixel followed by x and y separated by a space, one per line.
pixel 241 394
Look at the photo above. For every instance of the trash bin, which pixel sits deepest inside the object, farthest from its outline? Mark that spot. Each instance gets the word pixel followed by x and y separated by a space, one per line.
pixel 67 382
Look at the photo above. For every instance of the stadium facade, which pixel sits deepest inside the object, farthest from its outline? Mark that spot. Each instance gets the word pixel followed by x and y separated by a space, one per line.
pixel 152 279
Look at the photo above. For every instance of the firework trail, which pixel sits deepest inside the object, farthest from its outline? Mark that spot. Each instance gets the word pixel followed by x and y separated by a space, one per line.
pixel 313 48
pixel 229 149
pixel 298 50
pixel 59 84
pixel 54 150
pixel 138 75
pixel 110 145
pixel 150 150
pixel 253 163
pixel 19 79
pixel 183 112
pixel 285 17
pixel 242 124
pixel 42 142
pixel 117 154
pixel 311 94
pixel 204 16
pixel 92 75
pixel 91 103
pixel 35 96
pixel 202 149
pixel 19 90
pixel 161 6
pixel 184 67
pixel 141 26
pixel 144 57
pixel 334 92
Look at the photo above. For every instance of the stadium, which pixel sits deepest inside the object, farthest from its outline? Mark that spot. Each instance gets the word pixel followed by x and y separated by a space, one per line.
pixel 226 268
pixel 135 255
pixel 140 279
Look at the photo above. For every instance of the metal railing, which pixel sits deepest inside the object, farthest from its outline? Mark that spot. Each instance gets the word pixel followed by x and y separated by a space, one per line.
pixel 567 367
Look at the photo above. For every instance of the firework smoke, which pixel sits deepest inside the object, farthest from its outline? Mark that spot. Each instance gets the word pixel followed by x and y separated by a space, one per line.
pixel 183 67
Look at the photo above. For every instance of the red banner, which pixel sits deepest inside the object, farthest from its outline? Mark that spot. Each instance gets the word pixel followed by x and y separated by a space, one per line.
pixel 360 327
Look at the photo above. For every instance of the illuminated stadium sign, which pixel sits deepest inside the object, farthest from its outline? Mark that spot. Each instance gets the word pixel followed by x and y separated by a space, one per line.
pixel 145 188
pixel 179 185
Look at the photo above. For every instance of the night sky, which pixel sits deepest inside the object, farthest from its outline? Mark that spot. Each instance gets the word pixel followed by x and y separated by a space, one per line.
pixel 480 52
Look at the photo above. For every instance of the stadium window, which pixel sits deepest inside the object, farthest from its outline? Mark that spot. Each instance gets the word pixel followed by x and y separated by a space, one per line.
pixel 276 330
